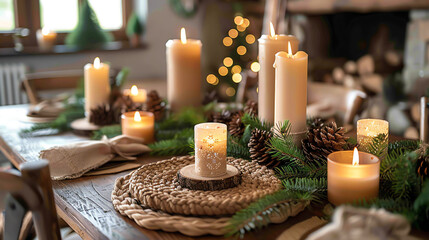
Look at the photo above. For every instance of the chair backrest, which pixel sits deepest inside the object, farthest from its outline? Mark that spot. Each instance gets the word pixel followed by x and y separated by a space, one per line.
pixel 30 191
pixel 49 81
pixel 424 119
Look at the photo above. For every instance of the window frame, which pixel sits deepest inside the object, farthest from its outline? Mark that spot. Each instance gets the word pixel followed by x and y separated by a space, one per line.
pixel 27 15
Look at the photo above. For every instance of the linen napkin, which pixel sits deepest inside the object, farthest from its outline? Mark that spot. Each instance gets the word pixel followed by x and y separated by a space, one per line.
pixel 47 108
pixel 74 160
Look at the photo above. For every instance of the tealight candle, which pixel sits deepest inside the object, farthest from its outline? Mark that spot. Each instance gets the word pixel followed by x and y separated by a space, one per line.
pixel 139 124
pixel 46 39
pixel 184 72
pixel 268 46
pixel 138 95
pixel 367 129
pixel 210 149
pixel 352 176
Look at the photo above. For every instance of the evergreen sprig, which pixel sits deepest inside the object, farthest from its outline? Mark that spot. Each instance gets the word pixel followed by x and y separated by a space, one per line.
pixel 108 131
pixel 172 147
pixel 379 145
pixel 237 148
pixel 254 122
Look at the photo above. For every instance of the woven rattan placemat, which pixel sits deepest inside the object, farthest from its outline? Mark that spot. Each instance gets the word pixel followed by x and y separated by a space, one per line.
pixel 155 186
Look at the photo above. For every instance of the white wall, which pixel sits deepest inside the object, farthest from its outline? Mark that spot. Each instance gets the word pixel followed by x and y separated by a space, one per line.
pixel 162 24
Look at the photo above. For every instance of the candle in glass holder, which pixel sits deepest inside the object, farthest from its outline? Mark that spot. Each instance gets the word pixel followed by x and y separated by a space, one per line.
pixel 367 129
pixel 139 124
pixel 46 39
pixel 136 94
pixel 352 176
pixel 210 149
pixel 268 46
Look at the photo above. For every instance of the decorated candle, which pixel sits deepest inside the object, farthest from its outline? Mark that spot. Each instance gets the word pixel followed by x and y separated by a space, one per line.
pixel 269 45
pixel 139 124
pixel 183 72
pixel 97 86
pixel 367 129
pixel 210 149
pixel 352 176
pixel 291 89
pixel 46 39
pixel 138 95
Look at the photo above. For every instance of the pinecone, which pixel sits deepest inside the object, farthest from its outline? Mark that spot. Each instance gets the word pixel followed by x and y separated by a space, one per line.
pixel 251 107
pixel 236 126
pixel 221 117
pixel 258 149
pixel 156 105
pixel 105 115
pixel 323 139
pixel 423 166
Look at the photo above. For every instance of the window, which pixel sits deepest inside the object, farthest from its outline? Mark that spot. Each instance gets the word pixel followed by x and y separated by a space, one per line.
pixel 60 16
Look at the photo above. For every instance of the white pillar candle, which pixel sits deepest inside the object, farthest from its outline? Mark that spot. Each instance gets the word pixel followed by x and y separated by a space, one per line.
pixel 46 39
pixel 138 95
pixel 291 89
pixel 269 45
pixel 367 129
pixel 183 72
pixel 139 124
pixel 352 176
pixel 210 149
pixel 97 85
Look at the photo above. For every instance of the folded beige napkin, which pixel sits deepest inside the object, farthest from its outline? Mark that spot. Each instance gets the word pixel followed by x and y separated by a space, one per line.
pixel 47 108
pixel 74 160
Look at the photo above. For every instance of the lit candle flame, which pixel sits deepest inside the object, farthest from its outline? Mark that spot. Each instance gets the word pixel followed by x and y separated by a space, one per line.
pixel 272 31
pixel 137 117
pixel 134 90
pixel 355 157
pixel 97 62
pixel 183 35
pixel 46 31
pixel 289 50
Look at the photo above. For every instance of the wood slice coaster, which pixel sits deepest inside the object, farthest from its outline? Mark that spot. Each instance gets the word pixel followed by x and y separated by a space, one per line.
pixel 188 178
pixel 126 205
pixel 156 186
pixel 83 127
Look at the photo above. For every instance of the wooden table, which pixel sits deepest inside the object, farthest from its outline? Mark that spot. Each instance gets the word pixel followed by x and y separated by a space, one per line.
pixel 84 203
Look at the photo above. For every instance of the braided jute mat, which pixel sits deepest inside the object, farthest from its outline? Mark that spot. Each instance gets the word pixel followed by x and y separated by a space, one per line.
pixel 157 193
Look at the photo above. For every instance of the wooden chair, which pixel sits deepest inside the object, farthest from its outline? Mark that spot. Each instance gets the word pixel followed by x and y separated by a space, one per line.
pixel 29 191
pixel 50 81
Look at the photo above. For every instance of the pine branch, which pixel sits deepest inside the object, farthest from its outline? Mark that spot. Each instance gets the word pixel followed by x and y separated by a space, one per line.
pixel 316 186
pixel 108 131
pixel 405 182
pixel 285 150
pixel 379 145
pixel 404 145
pixel 255 122
pixel 237 149
pixel 172 147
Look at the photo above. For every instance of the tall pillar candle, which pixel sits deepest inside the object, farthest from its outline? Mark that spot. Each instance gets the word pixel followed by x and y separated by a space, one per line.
pixel 291 89
pixel 97 85
pixel 210 149
pixel 269 45
pixel 183 72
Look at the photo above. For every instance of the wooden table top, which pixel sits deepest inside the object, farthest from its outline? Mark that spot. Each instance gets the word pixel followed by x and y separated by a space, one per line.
pixel 84 203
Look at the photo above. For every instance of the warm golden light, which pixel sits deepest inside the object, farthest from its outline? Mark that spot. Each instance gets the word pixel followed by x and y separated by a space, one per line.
pixel 289 50
pixel 272 31
pixel 183 36
pixel 236 77
pixel 355 157
pixel 233 33
pixel 134 90
pixel 241 50
pixel 246 23
pixel 223 71
pixel 228 61
pixel 241 28
pixel 227 41
pixel 236 69
pixel 211 79
pixel 230 91
pixel 238 20
pixel 46 31
pixel 97 62
pixel 255 67
pixel 137 117
pixel 250 39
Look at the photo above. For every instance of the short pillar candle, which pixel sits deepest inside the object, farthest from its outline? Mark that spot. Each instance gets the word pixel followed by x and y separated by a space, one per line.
pixel 367 129
pixel 352 176
pixel 139 124
pixel 210 149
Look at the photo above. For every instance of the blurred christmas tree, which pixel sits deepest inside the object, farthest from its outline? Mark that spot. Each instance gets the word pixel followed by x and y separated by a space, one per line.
pixel 230 72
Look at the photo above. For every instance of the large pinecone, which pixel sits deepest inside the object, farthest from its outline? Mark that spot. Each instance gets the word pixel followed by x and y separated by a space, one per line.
pixel 221 117
pixel 156 105
pixel 236 126
pixel 323 139
pixel 251 107
pixel 258 148
pixel 105 115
